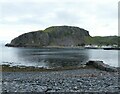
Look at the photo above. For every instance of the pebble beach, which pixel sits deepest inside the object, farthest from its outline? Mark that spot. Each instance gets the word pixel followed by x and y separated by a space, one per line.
pixel 76 81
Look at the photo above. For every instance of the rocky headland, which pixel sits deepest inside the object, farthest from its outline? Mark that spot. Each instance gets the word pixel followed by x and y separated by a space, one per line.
pixel 52 36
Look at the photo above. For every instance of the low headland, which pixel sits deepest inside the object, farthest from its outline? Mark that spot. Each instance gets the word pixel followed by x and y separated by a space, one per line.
pixel 65 37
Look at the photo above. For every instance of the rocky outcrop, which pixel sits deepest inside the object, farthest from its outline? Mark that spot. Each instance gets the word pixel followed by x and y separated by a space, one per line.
pixel 100 65
pixel 52 36
pixel 37 38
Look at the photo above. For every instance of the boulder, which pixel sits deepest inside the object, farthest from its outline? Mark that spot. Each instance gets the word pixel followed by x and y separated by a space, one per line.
pixel 102 66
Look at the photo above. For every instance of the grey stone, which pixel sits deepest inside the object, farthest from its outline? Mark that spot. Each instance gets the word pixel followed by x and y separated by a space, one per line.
pixel 108 82
pixel 100 65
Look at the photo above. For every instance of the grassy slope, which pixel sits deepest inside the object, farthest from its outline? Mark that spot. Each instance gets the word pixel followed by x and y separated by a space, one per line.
pixel 107 40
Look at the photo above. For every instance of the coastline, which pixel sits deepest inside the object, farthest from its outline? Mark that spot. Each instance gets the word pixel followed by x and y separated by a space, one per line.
pixel 89 65
pixel 7 68
pixel 62 47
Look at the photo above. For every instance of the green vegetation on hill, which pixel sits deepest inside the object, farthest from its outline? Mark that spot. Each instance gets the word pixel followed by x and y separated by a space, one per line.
pixel 106 40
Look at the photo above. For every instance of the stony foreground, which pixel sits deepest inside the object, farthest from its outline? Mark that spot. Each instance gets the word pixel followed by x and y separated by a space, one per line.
pixel 79 80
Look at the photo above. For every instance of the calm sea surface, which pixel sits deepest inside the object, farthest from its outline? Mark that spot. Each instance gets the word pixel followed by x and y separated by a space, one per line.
pixel 55 57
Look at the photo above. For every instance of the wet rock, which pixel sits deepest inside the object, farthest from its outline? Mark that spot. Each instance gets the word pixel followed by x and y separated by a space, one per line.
pixel 100 65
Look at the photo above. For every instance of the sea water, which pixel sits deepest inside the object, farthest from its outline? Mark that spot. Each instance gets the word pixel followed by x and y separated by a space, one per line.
pixel 54 57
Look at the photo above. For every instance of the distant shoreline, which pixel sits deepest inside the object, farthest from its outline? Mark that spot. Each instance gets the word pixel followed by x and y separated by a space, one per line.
pixel 58 47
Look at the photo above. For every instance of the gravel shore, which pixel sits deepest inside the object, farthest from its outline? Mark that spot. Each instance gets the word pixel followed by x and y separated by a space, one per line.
pixel 78 80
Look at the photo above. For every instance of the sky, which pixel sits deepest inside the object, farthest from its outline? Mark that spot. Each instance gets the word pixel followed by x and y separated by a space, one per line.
pixel 99 17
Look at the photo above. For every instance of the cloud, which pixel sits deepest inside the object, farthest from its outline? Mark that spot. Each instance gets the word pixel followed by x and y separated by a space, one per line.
pixel 8 32
pixel 99 17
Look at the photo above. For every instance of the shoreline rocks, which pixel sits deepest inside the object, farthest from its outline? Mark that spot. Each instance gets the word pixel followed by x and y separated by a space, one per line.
pixel 89 65
pixel 102 66
pixel 8 68
pixel 95 77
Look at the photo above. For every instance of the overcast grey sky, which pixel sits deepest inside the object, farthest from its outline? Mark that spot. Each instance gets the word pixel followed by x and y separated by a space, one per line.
pixel 99 17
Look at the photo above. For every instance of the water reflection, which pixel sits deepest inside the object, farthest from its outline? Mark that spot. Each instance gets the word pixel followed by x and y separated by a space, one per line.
pixel 56 57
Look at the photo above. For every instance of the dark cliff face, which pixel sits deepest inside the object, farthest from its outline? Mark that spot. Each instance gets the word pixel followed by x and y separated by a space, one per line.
pixel 37 38
pixel 52 36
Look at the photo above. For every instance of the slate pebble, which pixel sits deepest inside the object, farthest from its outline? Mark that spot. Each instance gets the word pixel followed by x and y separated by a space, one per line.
pixel 60 81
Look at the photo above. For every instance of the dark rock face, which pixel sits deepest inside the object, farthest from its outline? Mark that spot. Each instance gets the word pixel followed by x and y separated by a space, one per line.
pixel 37 38
pixel 100 65
pixel 52 36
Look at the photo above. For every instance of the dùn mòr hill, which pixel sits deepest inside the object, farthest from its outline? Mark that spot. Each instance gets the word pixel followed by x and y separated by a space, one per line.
pixel 52 36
